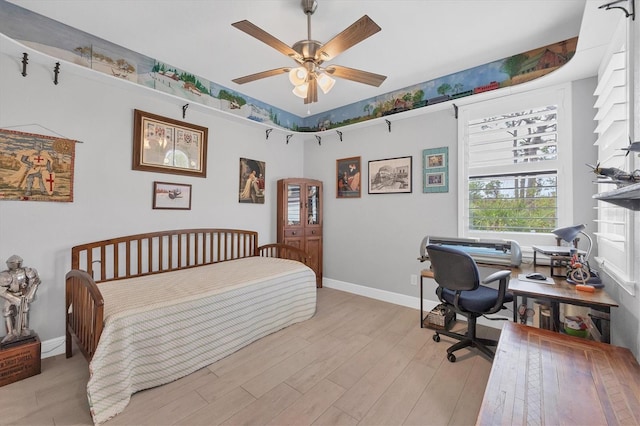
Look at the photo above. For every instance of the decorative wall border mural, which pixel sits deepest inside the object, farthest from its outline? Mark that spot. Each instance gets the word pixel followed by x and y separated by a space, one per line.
pixel 61 41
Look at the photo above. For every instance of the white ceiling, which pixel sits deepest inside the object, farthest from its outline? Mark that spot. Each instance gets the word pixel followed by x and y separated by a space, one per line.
pixel 420 39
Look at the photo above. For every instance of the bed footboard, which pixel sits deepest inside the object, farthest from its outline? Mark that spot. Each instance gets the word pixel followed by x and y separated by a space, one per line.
pixel 284 251
pixel 84 313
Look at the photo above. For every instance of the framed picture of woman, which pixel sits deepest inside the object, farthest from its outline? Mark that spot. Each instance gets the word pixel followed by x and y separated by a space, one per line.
pixel 348 182
pixel 252 175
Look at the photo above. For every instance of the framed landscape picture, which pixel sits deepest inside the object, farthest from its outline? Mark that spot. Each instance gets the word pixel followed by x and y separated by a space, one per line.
pixel 165 145
pixel 435 170
pixel 171 196
pixel 389 176
pixel 348 178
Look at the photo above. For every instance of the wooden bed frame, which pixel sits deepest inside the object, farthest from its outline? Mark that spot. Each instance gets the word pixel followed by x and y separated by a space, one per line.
pixel 145 254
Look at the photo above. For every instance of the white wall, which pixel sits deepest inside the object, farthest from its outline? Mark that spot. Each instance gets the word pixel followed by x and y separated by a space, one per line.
pixel 110 199
pixel 374 240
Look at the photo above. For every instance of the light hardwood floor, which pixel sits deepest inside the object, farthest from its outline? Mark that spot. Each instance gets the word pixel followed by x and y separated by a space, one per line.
pixel 357 361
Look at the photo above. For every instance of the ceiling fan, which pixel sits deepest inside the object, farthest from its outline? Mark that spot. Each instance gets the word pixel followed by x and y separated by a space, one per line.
pixel 310 54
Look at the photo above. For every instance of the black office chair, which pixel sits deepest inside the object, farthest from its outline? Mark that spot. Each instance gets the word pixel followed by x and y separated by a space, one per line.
pixel 458 279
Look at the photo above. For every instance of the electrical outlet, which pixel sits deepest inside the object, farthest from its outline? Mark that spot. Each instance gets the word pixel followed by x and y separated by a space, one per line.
pixel 414 280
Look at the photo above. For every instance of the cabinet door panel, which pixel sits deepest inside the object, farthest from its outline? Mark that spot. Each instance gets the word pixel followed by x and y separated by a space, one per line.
pixel 293 205
pixel 312 204
pixel 314 250
pixel 297 242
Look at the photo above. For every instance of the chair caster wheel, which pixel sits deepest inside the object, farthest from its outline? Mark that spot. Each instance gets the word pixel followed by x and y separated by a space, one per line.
pixel 436 337
pixel 451 357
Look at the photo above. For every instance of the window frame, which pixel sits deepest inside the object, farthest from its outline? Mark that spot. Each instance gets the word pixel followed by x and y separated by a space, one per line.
pixel 559 95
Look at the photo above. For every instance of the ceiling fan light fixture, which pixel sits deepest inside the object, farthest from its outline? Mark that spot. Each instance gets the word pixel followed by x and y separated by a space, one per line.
pixel 301 90
pixel 325 82
pixel 298 76
pixel 310 54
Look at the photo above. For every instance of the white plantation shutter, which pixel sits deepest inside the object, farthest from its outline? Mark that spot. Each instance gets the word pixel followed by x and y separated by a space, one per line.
pixel 615 248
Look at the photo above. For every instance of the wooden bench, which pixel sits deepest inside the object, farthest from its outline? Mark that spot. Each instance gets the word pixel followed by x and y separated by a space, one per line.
pixel 541 377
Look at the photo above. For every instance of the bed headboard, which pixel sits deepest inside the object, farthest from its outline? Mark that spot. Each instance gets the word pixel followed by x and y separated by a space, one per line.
pixel 156 252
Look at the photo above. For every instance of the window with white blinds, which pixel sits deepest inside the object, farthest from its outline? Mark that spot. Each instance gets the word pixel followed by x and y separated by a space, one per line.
pixel 615 250
pixel 511 162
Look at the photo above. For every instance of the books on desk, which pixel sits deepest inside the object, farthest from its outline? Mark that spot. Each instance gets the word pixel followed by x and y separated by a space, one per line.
pixel 547 280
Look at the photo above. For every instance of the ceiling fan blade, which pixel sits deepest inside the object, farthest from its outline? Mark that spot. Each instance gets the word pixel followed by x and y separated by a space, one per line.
pixel 356 75
pixel 354 34
pixel 312 93
pixel 265 37
pixel 259 75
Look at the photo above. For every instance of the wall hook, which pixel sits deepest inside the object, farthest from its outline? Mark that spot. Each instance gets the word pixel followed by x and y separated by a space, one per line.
pixel 56 71
pixel 268 132
pixel 289 137
pixel 184 110
pixel 319 139
pixel 388 124
pixel 455 110
pixel 25 61
pixel 339 134
pixel 610 5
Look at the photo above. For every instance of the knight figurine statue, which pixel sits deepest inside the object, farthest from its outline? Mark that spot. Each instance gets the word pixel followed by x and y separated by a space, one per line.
pixel 18 286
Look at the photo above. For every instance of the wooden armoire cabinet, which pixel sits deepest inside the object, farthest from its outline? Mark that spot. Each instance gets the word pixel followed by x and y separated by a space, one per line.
pixel 299 219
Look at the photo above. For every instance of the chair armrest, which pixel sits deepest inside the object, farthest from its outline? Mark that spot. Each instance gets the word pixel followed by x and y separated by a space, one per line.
pixel 496 276
pixel 503 276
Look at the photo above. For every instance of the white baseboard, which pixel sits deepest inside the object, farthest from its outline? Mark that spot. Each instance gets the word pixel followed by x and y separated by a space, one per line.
pixel 52 347
pixel 398 299
pixel 384 295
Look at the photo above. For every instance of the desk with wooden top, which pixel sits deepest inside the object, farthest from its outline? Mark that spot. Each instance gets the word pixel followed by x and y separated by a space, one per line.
pixel 541 377
pixel 553 294
pixel 563 292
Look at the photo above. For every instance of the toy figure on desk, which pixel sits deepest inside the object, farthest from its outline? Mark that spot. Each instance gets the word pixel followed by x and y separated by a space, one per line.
pixel 18 287
pixel 580 273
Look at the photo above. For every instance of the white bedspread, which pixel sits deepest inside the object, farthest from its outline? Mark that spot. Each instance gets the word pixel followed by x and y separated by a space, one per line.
pixel 161 327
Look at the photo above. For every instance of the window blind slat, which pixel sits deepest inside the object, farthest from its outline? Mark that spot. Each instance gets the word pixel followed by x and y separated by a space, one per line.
pixel 617 62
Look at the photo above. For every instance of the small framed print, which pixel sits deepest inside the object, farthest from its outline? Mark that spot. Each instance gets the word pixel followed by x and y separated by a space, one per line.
pixel 435 170
pixel 348 178
pixel 171 196
pixel 389 176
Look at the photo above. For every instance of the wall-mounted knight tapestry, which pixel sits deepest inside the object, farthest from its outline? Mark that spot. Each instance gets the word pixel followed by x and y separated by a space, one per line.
pixel 36 167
